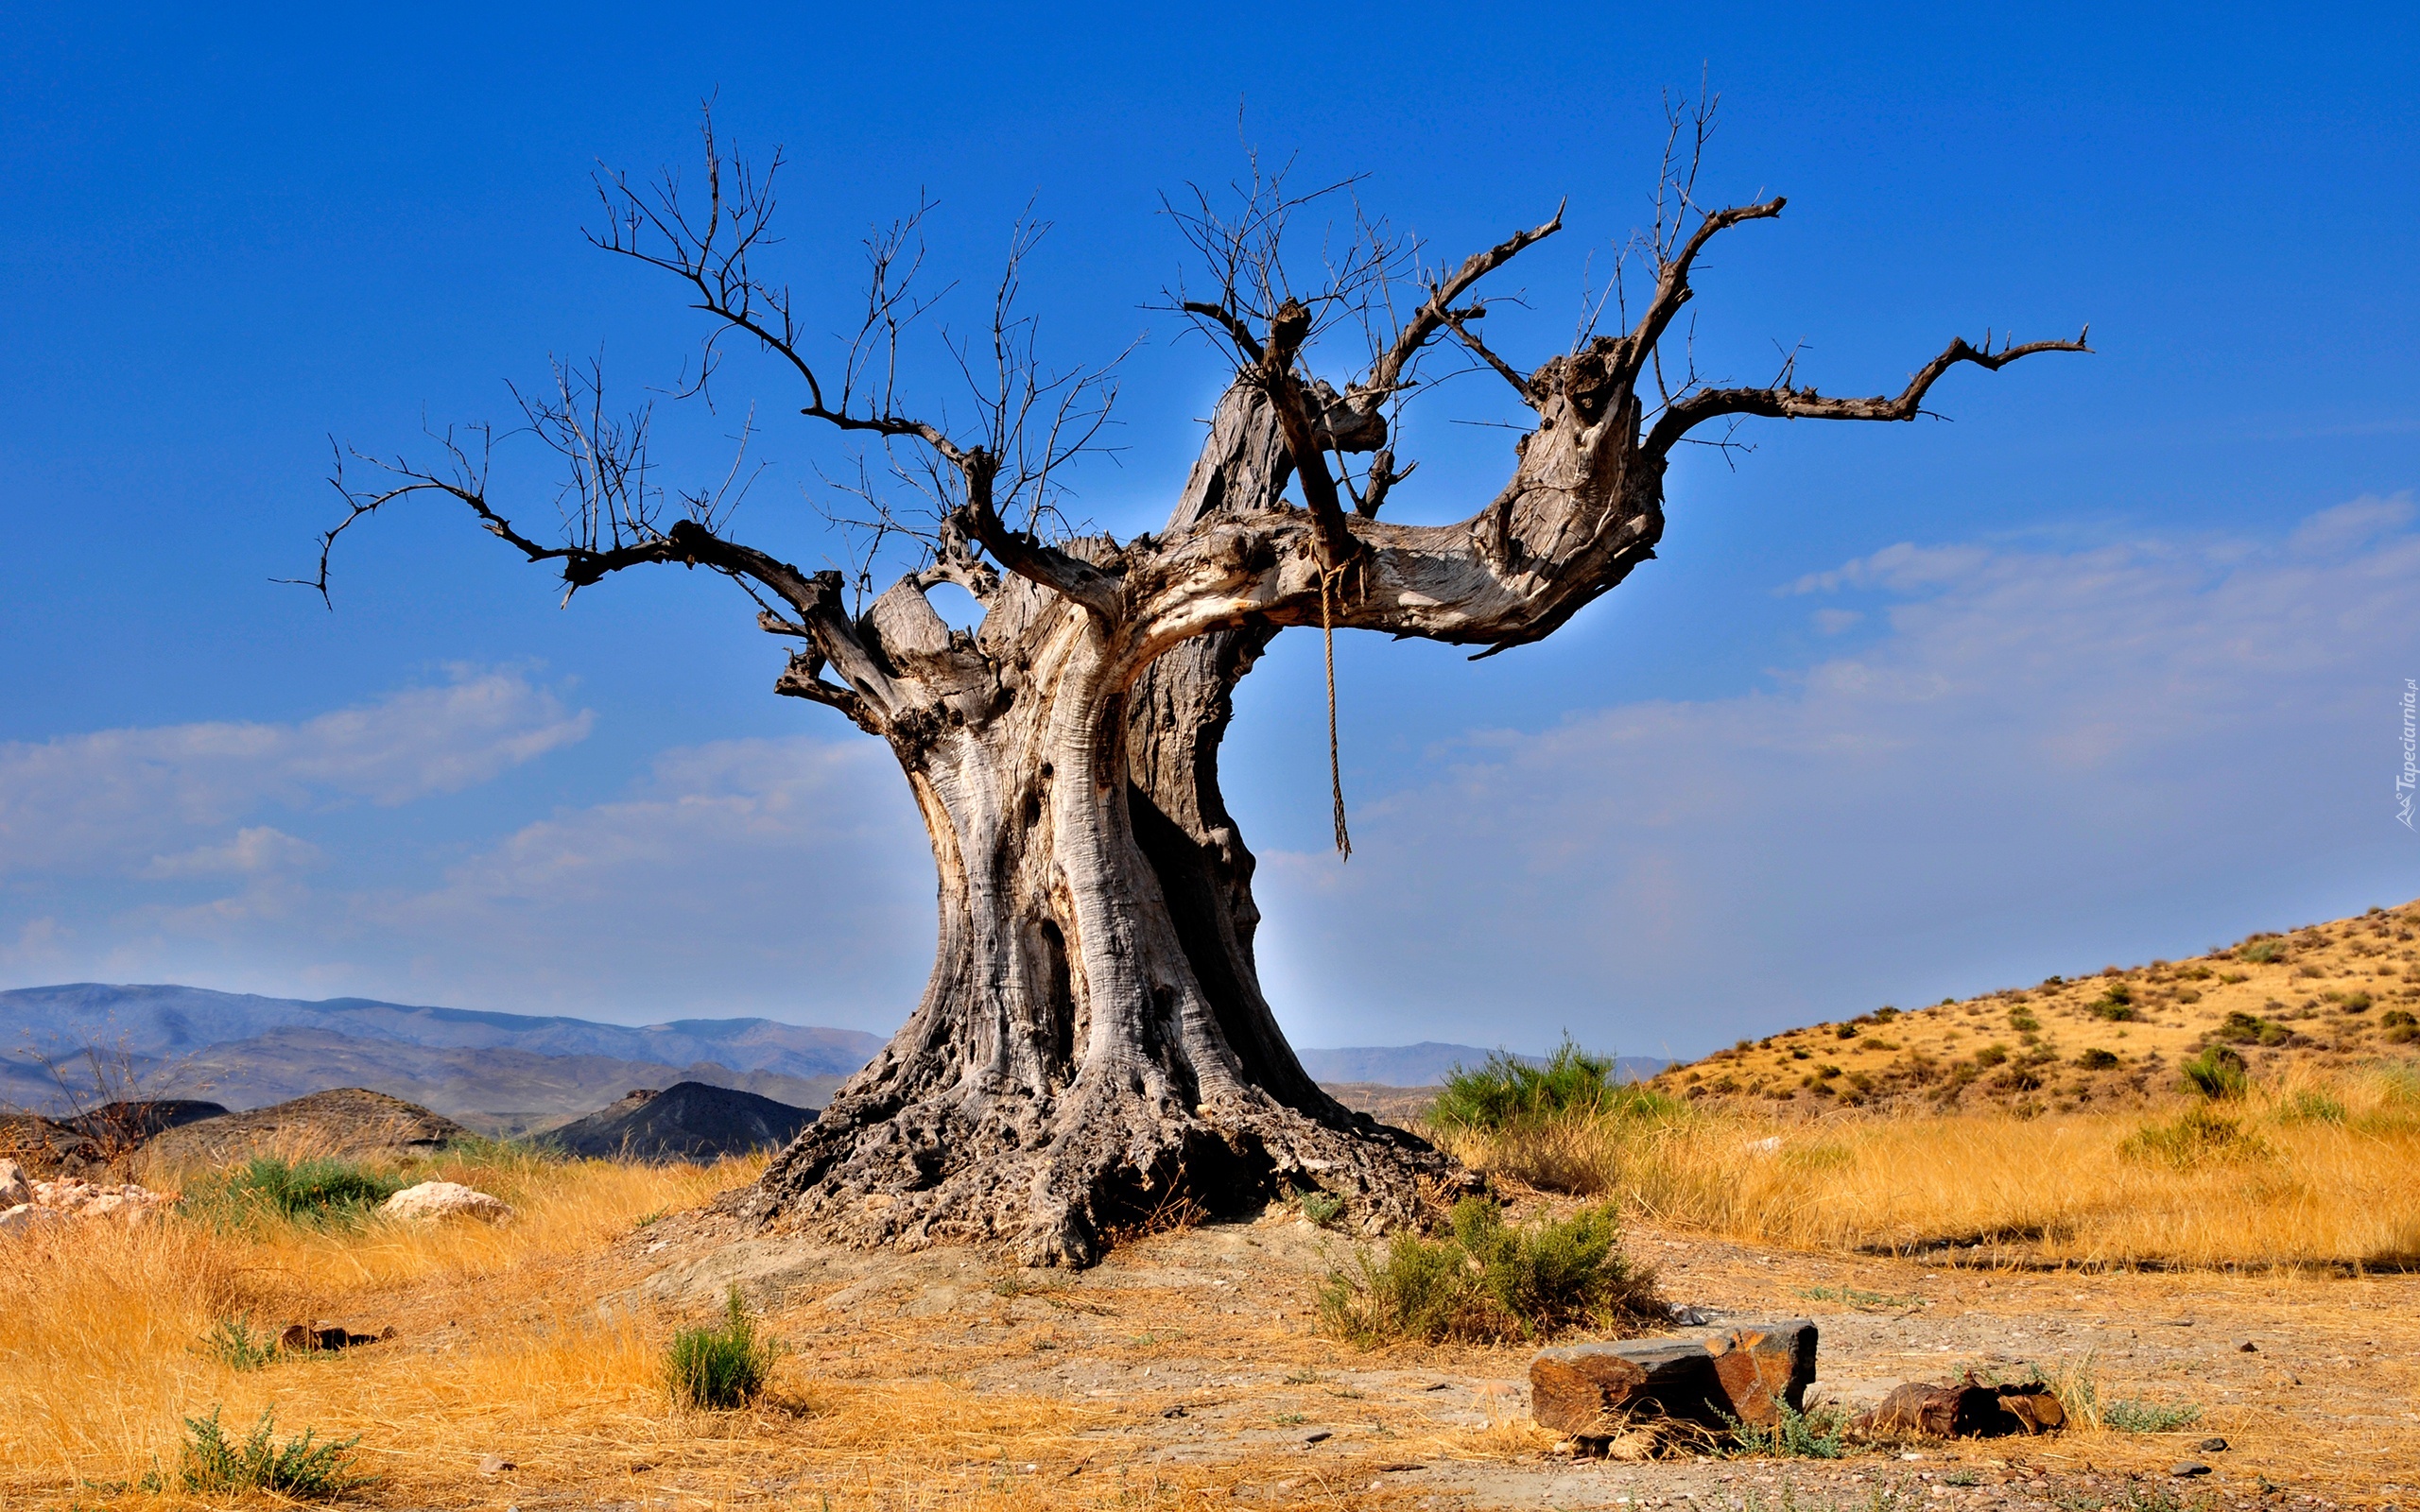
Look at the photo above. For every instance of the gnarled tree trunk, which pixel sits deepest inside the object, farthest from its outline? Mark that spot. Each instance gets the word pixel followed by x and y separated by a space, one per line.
pixel 1092 1044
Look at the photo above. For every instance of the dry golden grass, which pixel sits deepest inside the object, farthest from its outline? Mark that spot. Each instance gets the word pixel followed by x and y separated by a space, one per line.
pixel 2317 1170
pixel 103 1325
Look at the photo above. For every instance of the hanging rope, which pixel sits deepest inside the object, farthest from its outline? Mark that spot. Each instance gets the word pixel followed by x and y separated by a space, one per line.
pixel 1328 577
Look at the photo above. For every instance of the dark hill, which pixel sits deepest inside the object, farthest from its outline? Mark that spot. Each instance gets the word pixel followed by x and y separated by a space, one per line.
pixel 688 1122
pixel 348 1123
pixel 131 1122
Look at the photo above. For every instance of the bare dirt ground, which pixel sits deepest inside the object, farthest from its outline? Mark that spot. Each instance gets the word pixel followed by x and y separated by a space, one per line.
pixel 1185 1370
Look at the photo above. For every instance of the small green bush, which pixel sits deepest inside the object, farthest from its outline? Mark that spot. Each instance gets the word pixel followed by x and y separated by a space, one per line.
pixel 2023 1021
pixel 211 1464
pixel 236 1346
pixel 1504 1090
pixel 2261 951
pixel 2097 1060
pixel 1482 1279
pixel 1991 1054
pixel 2244 1029
pixel 2217 1071
pixel 301 1191
pixel 721 1367
pixel 1815 1434
pixel 2198 1137
pixel 1322 1208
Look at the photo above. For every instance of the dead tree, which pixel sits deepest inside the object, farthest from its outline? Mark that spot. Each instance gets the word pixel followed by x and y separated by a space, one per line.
pixel 1093 1043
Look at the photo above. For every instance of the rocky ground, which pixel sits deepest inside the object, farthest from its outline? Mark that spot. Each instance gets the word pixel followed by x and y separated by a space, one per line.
pixel 1188 1360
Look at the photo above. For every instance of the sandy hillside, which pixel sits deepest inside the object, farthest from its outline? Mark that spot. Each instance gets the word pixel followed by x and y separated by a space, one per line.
pixel 2325 996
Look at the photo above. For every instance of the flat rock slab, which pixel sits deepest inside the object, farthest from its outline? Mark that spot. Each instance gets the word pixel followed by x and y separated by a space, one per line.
pixel 1743 1374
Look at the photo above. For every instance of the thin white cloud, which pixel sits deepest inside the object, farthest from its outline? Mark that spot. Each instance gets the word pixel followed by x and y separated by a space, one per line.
pixel 2042 751
pixel 254 849
pixel 113 800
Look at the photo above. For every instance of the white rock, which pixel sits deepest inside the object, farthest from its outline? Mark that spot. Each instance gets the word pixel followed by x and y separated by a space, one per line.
pixel 446 1199
pixel 14 1191
pixel 25 1217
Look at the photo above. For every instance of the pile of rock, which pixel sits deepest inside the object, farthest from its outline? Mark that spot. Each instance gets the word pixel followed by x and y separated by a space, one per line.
pixel 1638 1391
pixel 26 1205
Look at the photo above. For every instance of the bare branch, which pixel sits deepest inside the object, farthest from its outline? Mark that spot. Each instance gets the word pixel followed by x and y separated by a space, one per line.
pixel 1805 404
pixel 1389 372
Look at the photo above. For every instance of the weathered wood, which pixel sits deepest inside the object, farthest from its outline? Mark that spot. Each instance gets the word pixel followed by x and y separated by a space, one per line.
pixel 1740 1374
pixel 1969 1409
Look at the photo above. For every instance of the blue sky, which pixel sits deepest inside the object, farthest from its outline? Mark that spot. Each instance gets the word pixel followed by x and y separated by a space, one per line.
pixel 2103 668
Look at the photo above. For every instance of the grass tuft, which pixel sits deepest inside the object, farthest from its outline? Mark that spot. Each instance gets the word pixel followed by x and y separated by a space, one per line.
pixel 2148 1416
pixel 307 1191
pixel 1504 1092
pixel 212 1463
pixel 1815 1434
pixel 234 1345
pixel 721 1368
pixel 2217 1071
pixel 1483 1280
pixel 2198 1136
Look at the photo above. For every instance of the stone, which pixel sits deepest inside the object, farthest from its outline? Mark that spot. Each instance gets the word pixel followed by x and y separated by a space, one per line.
pixel 2213 1445
pixel 1967 1410
pixel 303 1338
pixel 2191 1468
pixel 25 1217
pixel 446 1199
pixel 1745 1373
pixel 495 1465
pixel 15 1190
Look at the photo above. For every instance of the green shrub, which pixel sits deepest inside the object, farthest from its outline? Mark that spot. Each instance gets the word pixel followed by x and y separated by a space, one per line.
pixel 1322 1208
pixel 1504 1090
pixel 720 1368
pixel 301 1191
pixel 2023 1021
pixel 211 1464
pixel 2244 1029
pixel 2261 951
pixel 1816 1434
pixel 2217 1071
pixel 1482 1279
pixel 2198 1136
pixel 2097 1060
pixel 235 1344
pixel 1991 1054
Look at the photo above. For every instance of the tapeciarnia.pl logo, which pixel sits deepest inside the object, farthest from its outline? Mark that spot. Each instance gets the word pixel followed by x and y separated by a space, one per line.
pixel 2405 779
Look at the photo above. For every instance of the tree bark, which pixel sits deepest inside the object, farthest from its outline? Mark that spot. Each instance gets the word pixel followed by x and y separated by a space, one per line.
pixel 1092 1049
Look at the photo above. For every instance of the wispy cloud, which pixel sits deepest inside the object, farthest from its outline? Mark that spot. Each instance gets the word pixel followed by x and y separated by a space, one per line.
pixel 2040 753
pixel 115 801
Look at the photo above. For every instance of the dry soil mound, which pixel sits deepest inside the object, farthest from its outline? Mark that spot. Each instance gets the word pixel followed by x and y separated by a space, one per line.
pixel 2328 996
pixel 130 1123
pixel 688 1122
pixel 348 1123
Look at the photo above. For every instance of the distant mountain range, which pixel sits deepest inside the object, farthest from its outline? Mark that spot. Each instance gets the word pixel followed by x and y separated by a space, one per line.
pixel 504 1073
pixel 1428 1063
